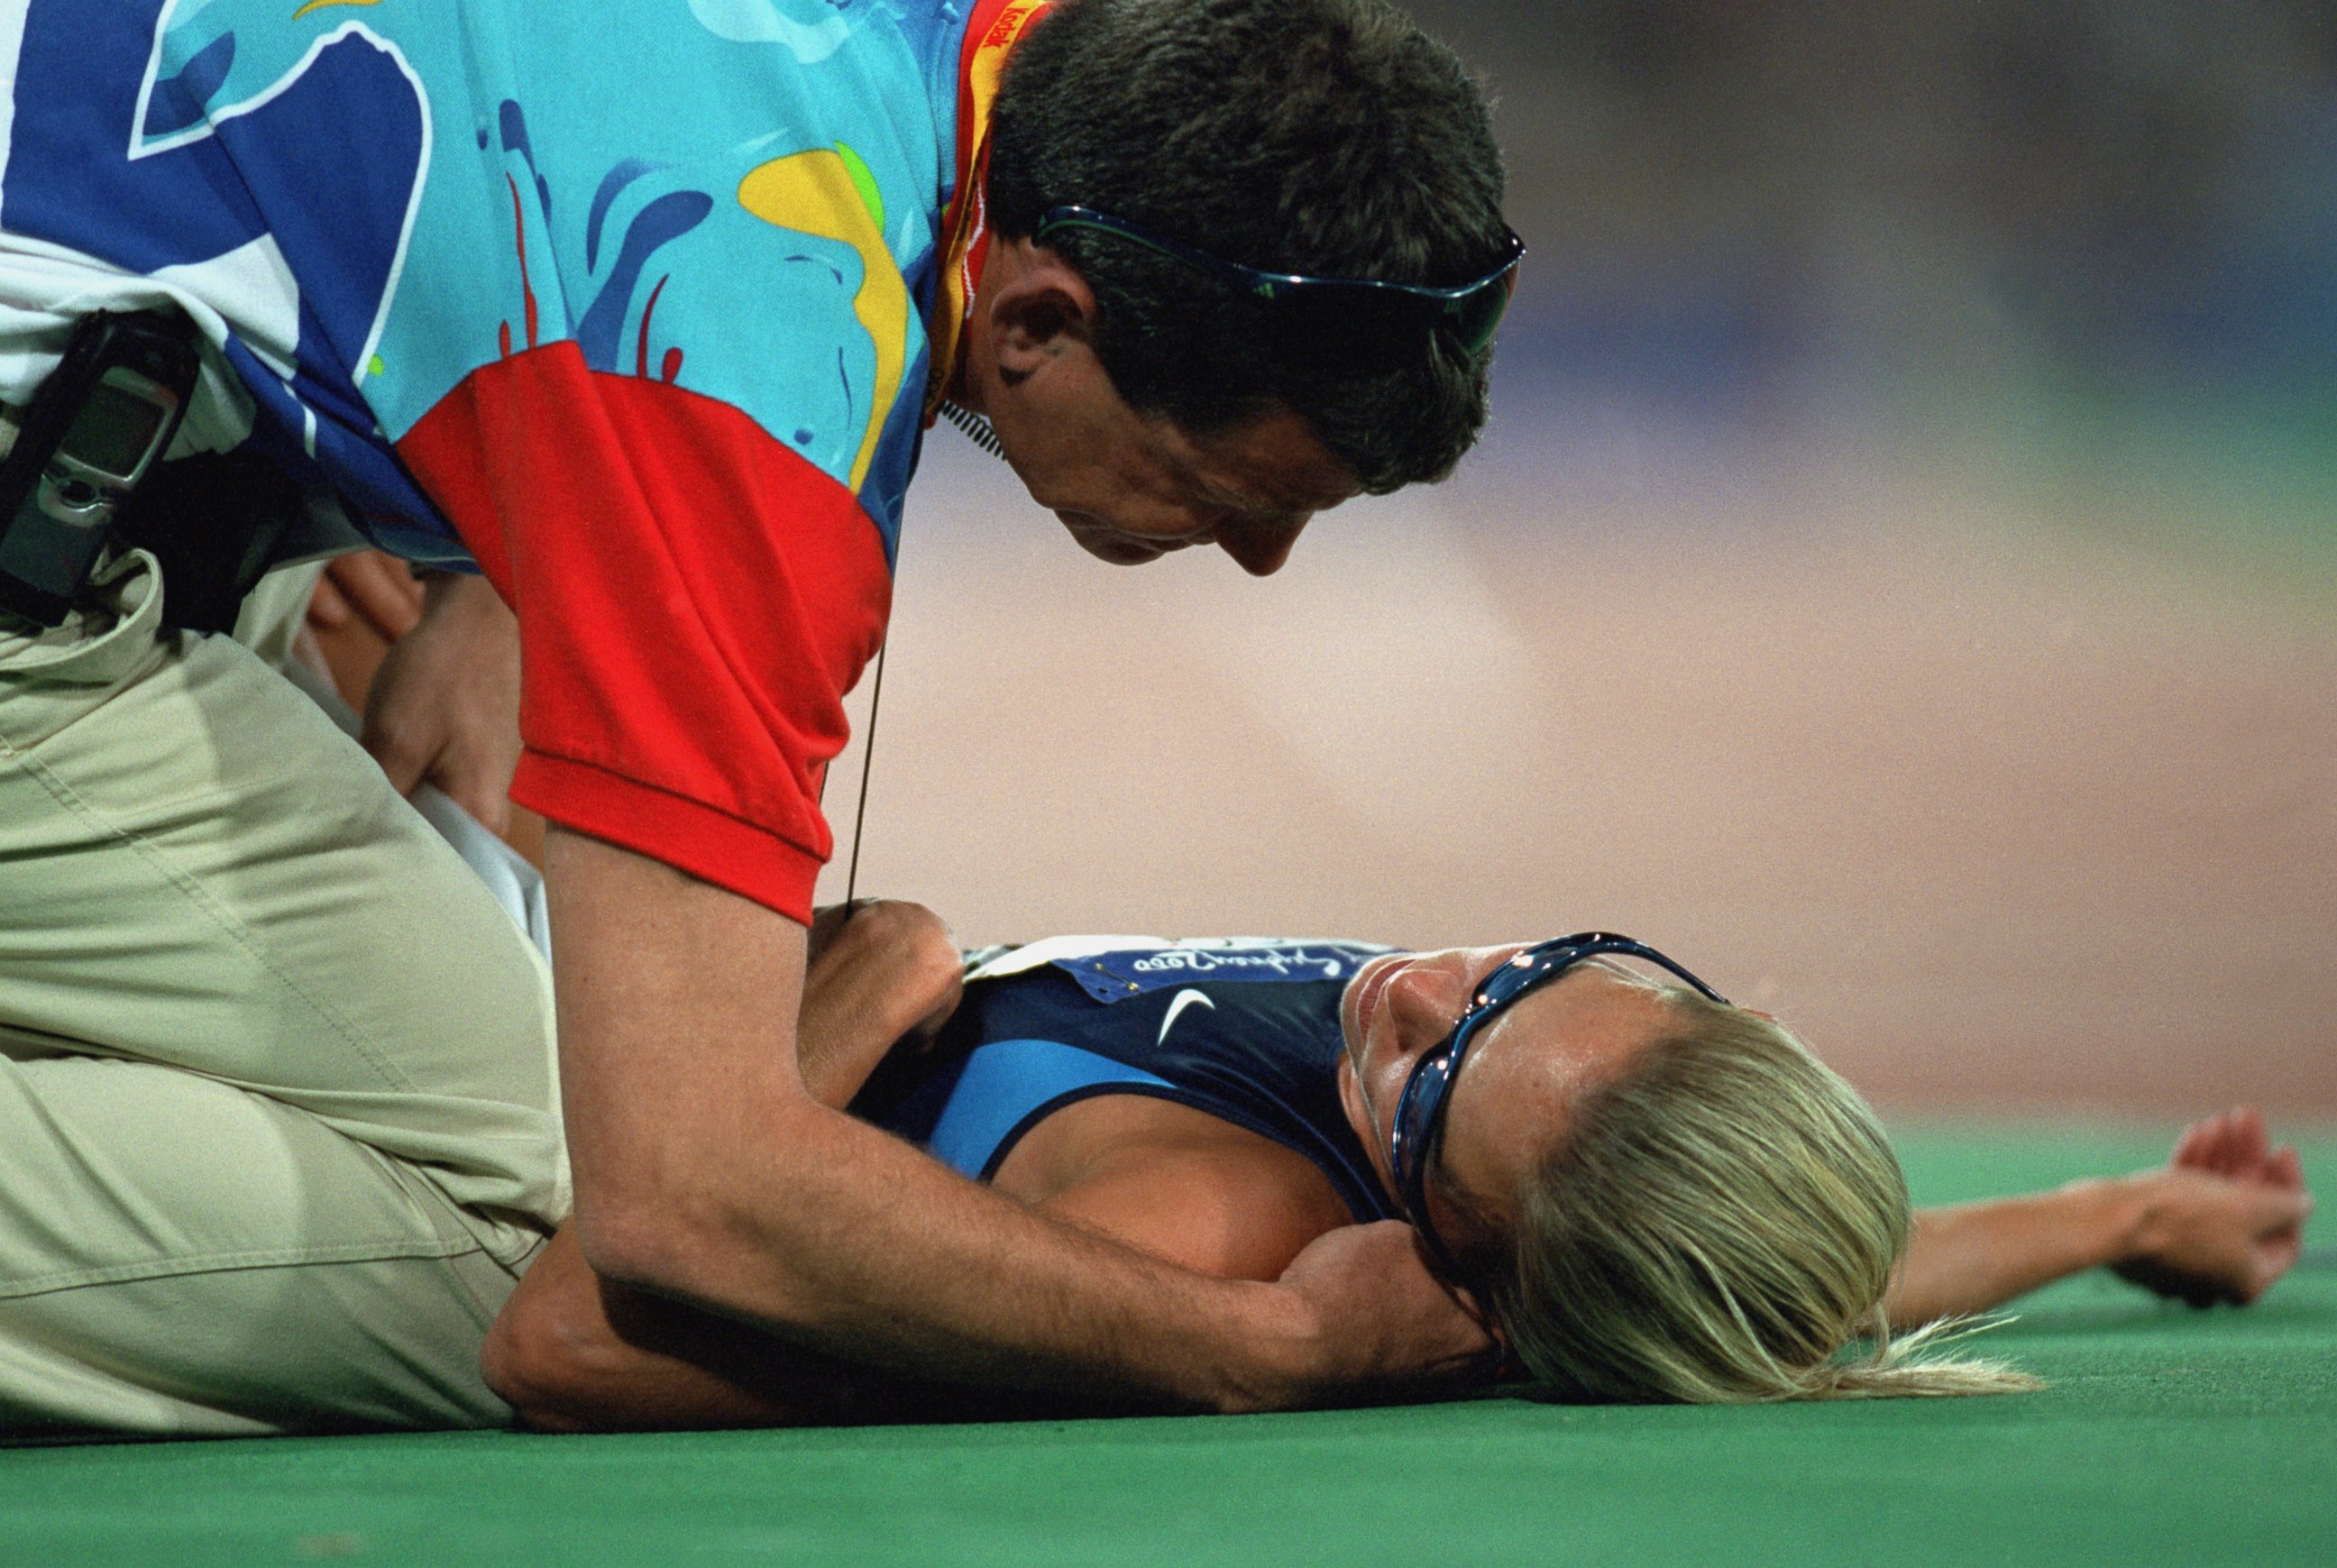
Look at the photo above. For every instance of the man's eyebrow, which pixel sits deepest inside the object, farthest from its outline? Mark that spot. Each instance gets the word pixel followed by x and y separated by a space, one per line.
pixel 1253 507
pixel 1216 494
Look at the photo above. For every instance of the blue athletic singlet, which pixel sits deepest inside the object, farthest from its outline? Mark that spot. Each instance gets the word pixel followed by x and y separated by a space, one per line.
pixel 1246 1031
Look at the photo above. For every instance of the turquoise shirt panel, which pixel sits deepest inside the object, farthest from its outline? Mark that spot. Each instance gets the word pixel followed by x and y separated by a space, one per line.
pixel 589 182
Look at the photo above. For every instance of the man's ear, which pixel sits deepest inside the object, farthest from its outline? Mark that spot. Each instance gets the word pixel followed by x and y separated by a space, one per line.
pixel 1041 307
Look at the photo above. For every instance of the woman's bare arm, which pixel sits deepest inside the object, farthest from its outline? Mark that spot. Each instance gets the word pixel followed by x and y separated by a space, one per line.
pixel 1175 1183
pixel 2220 1222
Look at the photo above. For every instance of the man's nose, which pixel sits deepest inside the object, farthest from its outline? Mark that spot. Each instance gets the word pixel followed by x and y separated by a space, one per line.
pixel 1260 548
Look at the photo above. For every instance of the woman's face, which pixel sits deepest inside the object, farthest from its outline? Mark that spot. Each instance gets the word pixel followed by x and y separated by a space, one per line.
pixel 1523 1070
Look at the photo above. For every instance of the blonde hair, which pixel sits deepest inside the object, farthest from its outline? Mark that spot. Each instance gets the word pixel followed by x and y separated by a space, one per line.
pixel 1719 1224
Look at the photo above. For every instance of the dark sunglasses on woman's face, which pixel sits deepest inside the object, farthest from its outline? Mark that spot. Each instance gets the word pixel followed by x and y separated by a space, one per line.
pixel 1357 324
pixel 1418 1125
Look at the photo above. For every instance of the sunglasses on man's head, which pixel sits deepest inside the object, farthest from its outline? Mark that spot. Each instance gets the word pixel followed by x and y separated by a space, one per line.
pixel 1418 1125
pixel 1355 323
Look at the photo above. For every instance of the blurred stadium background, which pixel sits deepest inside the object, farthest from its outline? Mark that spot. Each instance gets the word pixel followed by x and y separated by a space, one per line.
pixel 1899 578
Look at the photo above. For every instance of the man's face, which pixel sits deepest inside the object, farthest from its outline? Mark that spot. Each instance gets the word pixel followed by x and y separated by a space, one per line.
pixel 1130 489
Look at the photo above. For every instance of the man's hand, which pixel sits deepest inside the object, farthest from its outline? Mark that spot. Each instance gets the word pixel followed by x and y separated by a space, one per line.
pixel 1386 1327
pixel 2224 1219
pixel 445 705
pixel 883 974
pixel 374 589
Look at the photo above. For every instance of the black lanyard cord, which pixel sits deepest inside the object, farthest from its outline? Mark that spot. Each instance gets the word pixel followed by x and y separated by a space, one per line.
pixel 867 765
pixel 977 430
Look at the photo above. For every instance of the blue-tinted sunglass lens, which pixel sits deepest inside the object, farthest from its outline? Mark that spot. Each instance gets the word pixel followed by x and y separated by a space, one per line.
pixel 1478 316
pixel 1512 977
pixel 1420 1093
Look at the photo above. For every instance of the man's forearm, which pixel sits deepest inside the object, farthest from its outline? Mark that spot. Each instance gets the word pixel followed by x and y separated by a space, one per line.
pixel 1975 1257
pixel 875 1252
pixel 706 1172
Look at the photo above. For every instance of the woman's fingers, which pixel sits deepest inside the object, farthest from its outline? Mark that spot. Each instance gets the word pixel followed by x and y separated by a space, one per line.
pixel 2283 1167
pixel 2231 1143
pixel 2282 1182
pixel 2282 1209
pixel 2234 1142
pixel 2281 1241
pixel 2275 1233
pixel 2251 1141
pixel 2191 1149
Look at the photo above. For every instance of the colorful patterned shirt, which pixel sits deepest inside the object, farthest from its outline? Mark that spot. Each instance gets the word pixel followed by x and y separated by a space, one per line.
pixel 631 306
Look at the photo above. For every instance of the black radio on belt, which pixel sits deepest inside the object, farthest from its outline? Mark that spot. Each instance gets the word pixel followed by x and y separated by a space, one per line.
pixel 98 424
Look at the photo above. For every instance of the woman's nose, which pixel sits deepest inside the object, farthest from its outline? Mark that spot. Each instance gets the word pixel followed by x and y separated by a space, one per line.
pixel 1423 1003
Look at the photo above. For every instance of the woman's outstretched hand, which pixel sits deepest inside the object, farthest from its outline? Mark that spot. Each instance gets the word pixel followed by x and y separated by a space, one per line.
pixel 2225 1219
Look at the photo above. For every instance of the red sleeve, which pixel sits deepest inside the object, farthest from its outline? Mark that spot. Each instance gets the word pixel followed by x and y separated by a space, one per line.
pixel 694 600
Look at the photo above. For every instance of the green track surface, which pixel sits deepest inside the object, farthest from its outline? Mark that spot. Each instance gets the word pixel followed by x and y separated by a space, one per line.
pixel 2169 1437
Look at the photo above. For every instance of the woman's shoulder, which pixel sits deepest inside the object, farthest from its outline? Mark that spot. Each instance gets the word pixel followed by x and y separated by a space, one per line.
pixel 1173 1180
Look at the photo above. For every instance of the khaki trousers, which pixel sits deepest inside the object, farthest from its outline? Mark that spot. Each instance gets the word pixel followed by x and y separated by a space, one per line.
pixel 279 1126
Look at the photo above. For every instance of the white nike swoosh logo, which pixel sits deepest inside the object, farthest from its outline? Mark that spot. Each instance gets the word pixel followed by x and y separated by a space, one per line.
pixel 1178 1004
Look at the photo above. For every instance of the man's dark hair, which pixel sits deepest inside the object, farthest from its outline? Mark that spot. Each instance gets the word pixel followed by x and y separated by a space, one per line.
pixel 1328 137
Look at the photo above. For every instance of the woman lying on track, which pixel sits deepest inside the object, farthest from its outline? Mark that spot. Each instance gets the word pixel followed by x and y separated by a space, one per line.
pixel 1655 1195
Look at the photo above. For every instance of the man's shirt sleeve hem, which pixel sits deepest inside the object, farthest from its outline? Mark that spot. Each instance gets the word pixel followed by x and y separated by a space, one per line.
pixel 712 845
